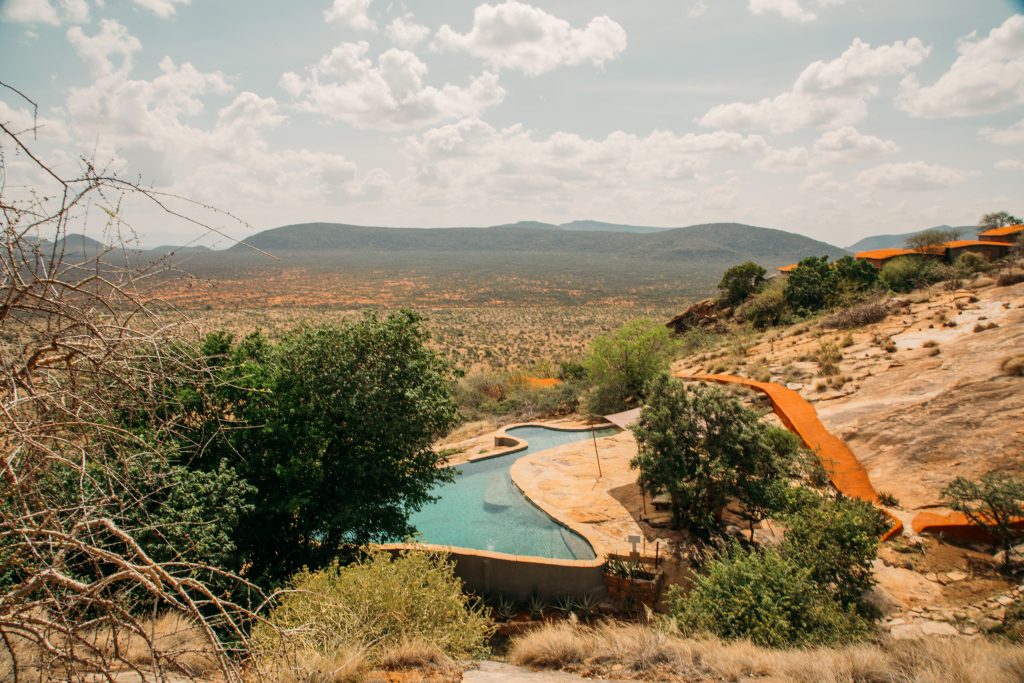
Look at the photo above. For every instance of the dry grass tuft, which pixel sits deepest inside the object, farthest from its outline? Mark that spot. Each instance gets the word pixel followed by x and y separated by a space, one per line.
pixel 556 646
pixel 416 655
pixel 178 644
pixel 310 666
pixel 646 653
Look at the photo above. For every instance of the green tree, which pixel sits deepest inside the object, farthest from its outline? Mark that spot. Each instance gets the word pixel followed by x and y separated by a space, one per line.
pixel 995 503
pixel 837 539
pixel 997 219
pixel 332 428
pixel 763 596
pixel 620 364
pixel 739 282
pixel 702 447
pixel 811 285
pixel 854 277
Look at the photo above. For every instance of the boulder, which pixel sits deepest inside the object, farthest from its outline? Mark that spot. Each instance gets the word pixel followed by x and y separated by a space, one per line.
pixel 704 314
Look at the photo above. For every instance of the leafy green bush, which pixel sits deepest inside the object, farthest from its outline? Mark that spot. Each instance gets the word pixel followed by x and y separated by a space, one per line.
pixel 375 605
pixel 969 263
pixel 907 273
pixel 811 285
pixel 836 540
pixel 739 282
pixel 767 307
pixel 621 363
pixel 764 596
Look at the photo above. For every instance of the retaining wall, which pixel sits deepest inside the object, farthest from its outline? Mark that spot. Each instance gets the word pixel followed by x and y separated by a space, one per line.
pixel 518 577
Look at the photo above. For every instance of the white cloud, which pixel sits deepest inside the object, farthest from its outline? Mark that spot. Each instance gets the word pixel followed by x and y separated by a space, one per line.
pixel 1014 135
pixel 784 159
pixel 849 143
pixel 1009 164
pixel 913 176
pixel 404 32
pixel 165 9
pixel 472 163
pixel 524 38
pixel 388 95
pixel 153 127
pixel 697 9
pixel 793 10
pixel 822 182
pixel 30 12
pixel 75 11
pixel 112 39
pixel 351 13
pixel 987 77
pixel 826 94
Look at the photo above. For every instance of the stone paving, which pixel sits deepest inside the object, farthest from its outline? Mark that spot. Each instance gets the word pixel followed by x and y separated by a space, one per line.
pixel 565 483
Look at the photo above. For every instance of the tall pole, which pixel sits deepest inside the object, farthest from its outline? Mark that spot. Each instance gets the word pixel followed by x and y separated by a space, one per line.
pixel 597 456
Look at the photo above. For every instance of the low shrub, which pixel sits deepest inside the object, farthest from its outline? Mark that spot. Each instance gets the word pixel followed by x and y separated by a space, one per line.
pixel 766 308
pixel 969 263
pixel 763 596
pixel 375 605
pixel 828 357
pixel 907 273
pixel 1010 278
pixel 858 315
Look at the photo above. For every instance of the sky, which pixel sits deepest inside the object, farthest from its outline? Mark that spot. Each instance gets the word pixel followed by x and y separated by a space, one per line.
pixel 836 119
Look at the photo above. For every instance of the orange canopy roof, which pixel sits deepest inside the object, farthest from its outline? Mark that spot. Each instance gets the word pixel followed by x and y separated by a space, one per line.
pixel 1005 230
pixel 883 254
pixel 957 244
pixel 786 269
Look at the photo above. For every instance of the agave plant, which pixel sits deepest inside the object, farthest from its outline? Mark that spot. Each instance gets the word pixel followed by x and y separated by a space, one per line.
pixel 537 605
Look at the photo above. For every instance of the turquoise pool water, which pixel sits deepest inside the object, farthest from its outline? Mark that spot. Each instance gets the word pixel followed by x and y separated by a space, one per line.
pixel 482 508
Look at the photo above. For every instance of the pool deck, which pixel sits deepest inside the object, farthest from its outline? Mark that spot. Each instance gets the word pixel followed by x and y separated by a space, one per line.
pixel 483 447
pixel 563 482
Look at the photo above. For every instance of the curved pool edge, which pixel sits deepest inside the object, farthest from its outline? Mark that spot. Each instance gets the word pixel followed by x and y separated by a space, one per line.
pixel 557 516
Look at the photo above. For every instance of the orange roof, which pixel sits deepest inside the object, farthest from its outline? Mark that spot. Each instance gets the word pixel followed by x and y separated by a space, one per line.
pixel 787 269
pixel 883 254
pixel 542 382
pixel 1005 230
pixel 957 244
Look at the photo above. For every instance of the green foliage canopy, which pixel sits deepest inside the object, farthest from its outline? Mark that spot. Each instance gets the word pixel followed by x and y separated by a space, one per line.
pixel 702 447
pixel 740 281
pixel 621 363
pixel 330 431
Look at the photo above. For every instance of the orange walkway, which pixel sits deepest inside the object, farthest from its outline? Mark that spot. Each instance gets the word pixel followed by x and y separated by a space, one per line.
pixel 840 464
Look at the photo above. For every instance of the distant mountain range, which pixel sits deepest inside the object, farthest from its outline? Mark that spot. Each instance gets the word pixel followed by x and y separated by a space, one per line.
pixel 713 242
pixel 896 241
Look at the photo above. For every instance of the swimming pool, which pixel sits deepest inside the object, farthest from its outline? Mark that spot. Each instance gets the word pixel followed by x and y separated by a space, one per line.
pixel 483 509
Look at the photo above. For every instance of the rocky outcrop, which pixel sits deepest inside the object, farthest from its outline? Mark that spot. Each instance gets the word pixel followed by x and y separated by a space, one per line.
pixel 704 314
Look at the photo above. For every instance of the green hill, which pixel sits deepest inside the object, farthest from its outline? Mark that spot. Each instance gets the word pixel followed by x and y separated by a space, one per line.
pixel 722 243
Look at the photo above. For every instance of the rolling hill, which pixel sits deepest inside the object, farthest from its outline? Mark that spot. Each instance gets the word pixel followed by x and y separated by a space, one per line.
pixel 899 240
pixel 714 242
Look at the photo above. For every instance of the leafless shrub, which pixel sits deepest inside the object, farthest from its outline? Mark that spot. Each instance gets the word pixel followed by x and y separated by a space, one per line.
pixel 80 597
pixel 858 315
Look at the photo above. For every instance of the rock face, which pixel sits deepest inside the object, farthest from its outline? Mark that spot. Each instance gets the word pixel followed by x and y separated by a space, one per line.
pixel 704 314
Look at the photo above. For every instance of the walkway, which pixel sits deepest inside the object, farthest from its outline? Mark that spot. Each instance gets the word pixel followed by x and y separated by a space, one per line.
pixel 840 464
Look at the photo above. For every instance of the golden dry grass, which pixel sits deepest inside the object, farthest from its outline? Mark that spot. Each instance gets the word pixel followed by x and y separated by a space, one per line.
pixel 310 666
pixel 643 652
pixel 179 647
